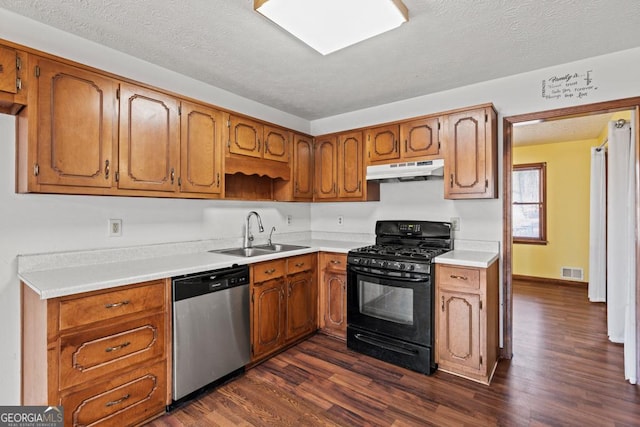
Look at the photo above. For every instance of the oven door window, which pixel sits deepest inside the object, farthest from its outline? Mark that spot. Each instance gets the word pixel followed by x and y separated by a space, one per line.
pixel 390 303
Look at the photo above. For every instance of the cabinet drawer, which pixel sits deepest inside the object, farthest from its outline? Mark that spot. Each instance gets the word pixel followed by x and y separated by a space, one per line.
pixel 123 401
pixel 109 305
pixel 300 263
pixel 335 262
pixel 268 270
pixel 458 277
pixel 89 355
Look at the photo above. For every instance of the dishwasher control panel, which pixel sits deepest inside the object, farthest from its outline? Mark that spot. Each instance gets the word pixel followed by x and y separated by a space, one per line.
pixel 193 285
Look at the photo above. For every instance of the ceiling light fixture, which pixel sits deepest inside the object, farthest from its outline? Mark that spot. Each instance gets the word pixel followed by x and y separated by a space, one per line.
pixel 330 25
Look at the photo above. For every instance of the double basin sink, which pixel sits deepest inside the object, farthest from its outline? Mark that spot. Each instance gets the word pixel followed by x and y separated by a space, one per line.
pixel 259 250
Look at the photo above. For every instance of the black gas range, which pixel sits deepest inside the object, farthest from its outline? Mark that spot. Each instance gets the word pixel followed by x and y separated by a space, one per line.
pixel 390 292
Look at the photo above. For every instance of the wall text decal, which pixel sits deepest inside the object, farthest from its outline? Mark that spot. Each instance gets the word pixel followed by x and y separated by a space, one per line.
pixel 568 86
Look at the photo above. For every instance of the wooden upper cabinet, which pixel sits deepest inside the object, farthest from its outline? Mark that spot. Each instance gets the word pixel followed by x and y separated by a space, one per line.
pixel 149 139
pixel 201 149
pixel 8 70
pixel 277 143
pixel 420 138
pixel 471 160
pixel 302 167
pixel 13 84
pixel 251 138
pixel 245 137
pixel 383 144
pixel 76 126
pixel 326 164
pixel 350 165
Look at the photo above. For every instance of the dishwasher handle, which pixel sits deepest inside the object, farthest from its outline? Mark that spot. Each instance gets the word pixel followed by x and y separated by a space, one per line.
pixel 193 285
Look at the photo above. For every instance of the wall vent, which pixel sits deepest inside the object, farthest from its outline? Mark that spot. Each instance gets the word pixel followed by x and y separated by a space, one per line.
pixel 572 273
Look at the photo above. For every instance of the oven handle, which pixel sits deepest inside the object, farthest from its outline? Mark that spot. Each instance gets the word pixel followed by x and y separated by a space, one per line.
pixel 414 277
pixel 385 345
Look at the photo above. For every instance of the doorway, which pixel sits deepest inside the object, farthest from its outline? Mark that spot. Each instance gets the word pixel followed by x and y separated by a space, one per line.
pixel 508 123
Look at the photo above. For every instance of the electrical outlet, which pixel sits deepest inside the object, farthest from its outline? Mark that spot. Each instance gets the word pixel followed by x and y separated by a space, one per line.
pixel 455 223
pixel 340 220
pixel 115 227
pixel 289 219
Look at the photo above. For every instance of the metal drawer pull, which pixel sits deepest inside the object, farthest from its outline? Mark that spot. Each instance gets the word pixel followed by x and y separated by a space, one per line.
pixel 300 264
pixel 117 347
pixel 115 402
pixel 443 304
pixel 335 261
pixel 116 304
pixel 270 271
pixel 453 276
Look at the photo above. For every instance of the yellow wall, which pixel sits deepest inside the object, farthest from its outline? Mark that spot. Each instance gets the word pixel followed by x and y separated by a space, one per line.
pixel 568 170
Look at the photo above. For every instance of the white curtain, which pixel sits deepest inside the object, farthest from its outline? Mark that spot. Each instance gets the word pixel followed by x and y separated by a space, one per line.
pixel 597 228
pixel 621 254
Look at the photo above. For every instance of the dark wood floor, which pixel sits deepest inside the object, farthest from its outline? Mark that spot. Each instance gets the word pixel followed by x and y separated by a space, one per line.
pixel 564 372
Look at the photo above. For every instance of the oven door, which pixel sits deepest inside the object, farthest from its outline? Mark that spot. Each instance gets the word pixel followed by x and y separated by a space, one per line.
pixel 399 307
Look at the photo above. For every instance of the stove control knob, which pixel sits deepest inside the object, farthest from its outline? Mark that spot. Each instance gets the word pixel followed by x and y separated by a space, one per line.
pixel 356 260
pixel 383 264
pixel 402 266
pixel 412 267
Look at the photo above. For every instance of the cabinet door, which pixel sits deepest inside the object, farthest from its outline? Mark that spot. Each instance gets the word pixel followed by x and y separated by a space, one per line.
pixel 245 137
pixel 200 149
pixel 302 167
pixel 268 316
pixel 469 155
pixel 76 122
pixel 149 139
pixel 326 172
pixel 276 144
pixel 383 144
pixel 300 305
pixel 335 315
pixel 8 70
pixel 420 138
pixel 459 330
pixel 350 165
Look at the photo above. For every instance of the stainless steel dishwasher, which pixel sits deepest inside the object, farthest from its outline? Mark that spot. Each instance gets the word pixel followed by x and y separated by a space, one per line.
pixel 210 327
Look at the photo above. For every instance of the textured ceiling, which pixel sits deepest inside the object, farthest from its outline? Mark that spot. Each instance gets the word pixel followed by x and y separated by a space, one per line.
pixel 563 130
pixel 445 44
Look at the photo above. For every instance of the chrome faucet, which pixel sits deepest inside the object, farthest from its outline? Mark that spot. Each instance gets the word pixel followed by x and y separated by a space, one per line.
pixel 248 237
pixel 271 234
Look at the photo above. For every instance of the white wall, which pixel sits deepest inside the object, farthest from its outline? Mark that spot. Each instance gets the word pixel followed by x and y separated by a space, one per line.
pixel 418 200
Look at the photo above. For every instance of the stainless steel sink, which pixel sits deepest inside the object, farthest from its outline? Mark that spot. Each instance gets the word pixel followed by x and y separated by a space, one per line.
pixel 243 252
pixel 280 247
pixel 259 250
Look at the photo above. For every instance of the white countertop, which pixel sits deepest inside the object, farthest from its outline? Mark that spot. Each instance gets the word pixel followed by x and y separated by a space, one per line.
pixel 467 258
pixel 52 283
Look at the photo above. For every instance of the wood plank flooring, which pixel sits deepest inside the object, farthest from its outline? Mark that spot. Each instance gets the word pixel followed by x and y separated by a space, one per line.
pixel 564 373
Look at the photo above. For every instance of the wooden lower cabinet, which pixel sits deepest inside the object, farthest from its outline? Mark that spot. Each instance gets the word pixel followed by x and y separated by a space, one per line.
pixel 104 355
pixel 467 323
pixel 124 400
pixel 283 303
pixel 333 294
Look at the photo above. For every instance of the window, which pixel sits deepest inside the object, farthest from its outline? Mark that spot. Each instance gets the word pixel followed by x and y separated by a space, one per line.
pixel 529 204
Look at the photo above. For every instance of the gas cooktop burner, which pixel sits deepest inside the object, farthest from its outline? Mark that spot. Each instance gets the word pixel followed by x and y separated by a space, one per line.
pixel 395 251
